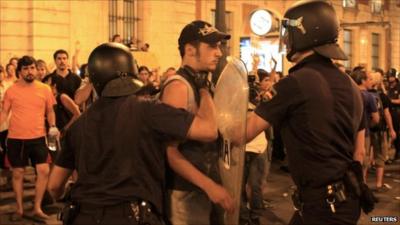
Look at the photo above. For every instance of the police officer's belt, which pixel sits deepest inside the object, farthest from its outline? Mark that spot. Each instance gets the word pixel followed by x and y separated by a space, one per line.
pixel 116 209
pixel 321 193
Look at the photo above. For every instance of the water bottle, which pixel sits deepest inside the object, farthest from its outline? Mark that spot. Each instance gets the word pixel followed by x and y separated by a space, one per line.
pixel 52 143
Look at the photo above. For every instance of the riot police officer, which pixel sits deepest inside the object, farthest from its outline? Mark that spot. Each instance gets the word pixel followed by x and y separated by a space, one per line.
pixel 319 111
pixel 117 146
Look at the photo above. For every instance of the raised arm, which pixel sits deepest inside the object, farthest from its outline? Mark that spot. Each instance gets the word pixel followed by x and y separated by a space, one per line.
pixel 83 93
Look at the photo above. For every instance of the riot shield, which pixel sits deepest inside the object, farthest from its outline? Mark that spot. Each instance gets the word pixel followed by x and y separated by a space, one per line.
pixel 231 99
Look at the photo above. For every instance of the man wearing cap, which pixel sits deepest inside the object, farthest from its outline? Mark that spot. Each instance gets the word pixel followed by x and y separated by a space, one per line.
pixel 117 146
pixel 320 113
pixel 196 177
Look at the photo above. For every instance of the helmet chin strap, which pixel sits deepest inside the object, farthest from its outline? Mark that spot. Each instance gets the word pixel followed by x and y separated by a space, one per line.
pixel 289 55
pixel 291 51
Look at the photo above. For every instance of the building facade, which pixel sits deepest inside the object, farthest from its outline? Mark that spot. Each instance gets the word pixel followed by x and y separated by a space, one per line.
pixel 370 29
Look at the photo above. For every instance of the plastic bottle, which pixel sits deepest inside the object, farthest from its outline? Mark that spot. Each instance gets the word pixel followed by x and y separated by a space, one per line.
pixel 52 143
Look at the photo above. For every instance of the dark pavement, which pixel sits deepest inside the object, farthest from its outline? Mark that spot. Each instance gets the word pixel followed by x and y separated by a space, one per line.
pixel 277 192
pixel 279 188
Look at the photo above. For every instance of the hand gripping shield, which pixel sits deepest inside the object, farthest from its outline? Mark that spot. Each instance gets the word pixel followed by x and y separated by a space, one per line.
pixel 231 99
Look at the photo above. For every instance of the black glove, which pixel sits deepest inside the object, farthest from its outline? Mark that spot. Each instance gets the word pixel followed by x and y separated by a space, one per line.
pixel 201 81
pixel 149 89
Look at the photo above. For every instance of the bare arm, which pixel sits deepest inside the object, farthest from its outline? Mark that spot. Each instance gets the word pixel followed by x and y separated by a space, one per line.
pixel 5 112
pixel 57 180
pixel 185 169
pixel 359 146
pixel 395 101
pixel 75 64
pixel 204 125
pixel 389 122
pixel 175 94
pixel 83 93
pixel 255 125
pixel 70 105
pixel 51 116
pixel 375 118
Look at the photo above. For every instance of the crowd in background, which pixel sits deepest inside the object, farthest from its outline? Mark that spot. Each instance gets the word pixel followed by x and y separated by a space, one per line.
pixel 73 94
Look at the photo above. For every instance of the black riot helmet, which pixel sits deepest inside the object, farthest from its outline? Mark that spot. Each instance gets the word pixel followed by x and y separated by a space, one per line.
pixel 311 24
pixel 112 70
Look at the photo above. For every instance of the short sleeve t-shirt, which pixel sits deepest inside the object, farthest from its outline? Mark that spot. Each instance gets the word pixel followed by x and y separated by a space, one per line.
pixel 29 103
pixel 68 84
pixel 370 106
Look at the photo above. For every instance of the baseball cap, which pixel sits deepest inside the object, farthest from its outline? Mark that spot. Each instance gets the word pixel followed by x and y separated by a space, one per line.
pixel 201 31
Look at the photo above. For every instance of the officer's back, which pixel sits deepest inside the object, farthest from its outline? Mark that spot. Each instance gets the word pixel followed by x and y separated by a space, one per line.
pixel 117 148
pixel 320 126
pixel 113 152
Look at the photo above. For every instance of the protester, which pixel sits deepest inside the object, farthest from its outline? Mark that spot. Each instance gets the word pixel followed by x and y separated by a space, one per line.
pixel 67 81
pixel 195 163
pixel 42 69
pixel 30 102
pixel 378 132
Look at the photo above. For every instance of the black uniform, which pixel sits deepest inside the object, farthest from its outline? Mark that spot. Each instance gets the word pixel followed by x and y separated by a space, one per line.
pixel 319 111
pixel 394 94
pixel 117 147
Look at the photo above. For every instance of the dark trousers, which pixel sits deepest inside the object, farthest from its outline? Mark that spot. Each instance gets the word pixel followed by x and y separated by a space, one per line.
pixel 396 127
pixel 319 213
pixel 113 215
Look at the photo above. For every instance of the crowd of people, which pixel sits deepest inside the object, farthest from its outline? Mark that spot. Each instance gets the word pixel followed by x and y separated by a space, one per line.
pixel 118 141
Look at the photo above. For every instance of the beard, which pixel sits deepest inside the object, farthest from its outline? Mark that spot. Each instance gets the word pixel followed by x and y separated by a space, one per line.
pixel 29 78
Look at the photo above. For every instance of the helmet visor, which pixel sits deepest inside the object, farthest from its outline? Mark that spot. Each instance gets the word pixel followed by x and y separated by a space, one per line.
pixel 283 35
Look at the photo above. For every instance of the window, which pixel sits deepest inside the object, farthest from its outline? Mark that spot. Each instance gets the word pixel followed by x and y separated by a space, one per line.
pixel 129 20
pixel 228 23
pixel 348 47
pixel 122 19
pixel 112 18
pixel 376 6
pixel 349 3
pixel 375 51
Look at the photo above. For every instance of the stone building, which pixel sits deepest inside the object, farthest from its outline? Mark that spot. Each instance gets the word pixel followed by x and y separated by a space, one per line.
pixel 370 29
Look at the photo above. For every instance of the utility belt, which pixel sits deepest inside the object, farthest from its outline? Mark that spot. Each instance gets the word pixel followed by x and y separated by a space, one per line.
pixel 350 186
pixel 330 194
pixel 141 211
